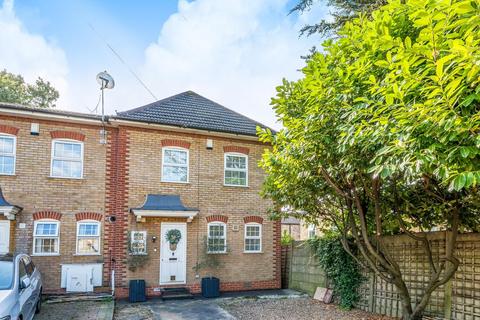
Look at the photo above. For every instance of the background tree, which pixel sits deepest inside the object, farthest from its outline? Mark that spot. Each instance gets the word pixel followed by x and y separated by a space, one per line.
pixel 14 89
pixel 343 11
pixel 381 135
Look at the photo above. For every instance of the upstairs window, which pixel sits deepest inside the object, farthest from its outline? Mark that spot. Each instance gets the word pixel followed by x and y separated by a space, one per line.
pixel 217 237
pixel 67 159
pixel 236 170
pixel 88 237
pixel 7 154
pixel 253 237
pixel 45 237
pixel 175 165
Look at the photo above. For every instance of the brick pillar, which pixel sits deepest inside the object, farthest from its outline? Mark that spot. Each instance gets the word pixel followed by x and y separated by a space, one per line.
pixel 277 253
pixel 115 239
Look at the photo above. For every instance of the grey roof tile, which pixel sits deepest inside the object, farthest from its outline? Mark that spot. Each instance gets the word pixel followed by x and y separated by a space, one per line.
pixel 191 110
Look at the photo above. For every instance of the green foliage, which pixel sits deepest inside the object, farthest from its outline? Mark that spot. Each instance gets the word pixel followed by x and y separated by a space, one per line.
pixel 287 238
pixel 339 267
pixel 173 236
pixel 209 262
pixel 14 89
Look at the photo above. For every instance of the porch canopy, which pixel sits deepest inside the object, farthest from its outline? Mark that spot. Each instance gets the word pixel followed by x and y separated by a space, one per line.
pixel 8 210
pixel 162 205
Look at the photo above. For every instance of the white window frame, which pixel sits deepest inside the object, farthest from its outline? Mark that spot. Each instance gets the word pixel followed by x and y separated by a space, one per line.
pixel 225 169
pixel 217 223
pixel 57 236
pixel 52 157
pixel 312 231
pixel 252 237
pixel 132 240
pixel 175 165
pixel 14 154
pixel 78 236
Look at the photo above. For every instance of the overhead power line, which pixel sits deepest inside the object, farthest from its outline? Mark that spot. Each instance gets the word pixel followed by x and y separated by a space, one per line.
pixel 123 61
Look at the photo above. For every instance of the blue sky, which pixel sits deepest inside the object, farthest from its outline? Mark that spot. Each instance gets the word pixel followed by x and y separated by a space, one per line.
pixel 232 51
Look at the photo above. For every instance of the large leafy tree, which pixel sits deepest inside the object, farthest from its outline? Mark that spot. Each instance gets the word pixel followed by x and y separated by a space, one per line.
pixel 381 135
pixel 14 89
pixel 342 11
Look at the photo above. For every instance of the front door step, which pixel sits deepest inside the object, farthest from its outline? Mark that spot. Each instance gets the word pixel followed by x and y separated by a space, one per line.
pixel 176 293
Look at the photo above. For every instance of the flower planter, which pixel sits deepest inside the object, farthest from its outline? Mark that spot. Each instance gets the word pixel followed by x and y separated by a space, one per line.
pixel 210 287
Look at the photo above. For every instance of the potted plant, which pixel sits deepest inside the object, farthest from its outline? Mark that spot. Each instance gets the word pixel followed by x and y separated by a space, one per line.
pixel 209 262
pixel 173 237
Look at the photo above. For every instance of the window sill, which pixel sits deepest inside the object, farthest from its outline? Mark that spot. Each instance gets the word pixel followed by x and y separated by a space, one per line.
pixel 176 182
pixel 217 252
pixel 8 174
pixel 45 255
pixel 86 254
pixel 65 178
pixel 235 186
pixel 252 252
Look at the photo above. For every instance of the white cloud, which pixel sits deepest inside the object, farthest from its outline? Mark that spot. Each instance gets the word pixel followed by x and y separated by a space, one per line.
pixel 234 52
pixel 30 55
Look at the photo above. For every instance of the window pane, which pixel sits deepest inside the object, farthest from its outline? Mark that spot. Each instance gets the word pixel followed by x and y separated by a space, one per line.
pixel 6 145
pixel 216 231
pixel 175 157
pixel 236 178
pixel 216 245
pixel 67 150
pixel 88 245
pixel 67 169
pixel 173 173
pixel 236 162
pixel 46 229
pixel 88 229
pixel 7 164
pixel 46 245
pixel 253 231
pixel 252 244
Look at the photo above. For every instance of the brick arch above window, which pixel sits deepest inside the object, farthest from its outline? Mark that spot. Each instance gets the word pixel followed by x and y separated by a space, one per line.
pixel 88 216
pixel 236 149
pixel 251 219
pixel 73 135
pixel 39 215
pixel 217 218
pixel 175 143
pixel 9 129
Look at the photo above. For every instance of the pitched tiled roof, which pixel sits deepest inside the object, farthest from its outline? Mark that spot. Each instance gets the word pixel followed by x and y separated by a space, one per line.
pixel 191 110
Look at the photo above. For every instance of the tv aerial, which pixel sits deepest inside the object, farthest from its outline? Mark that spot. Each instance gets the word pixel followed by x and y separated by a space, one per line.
pixel 105 81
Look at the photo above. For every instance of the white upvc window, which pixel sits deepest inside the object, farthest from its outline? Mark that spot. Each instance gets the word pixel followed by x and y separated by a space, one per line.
pixel 253 237
pixel 88 237
pixel 236 169
pixel 175 165
pixel 138 242
pixel 46 237
pixel 8 145
pixel 217 237
pixel 67 159
pixel 311 231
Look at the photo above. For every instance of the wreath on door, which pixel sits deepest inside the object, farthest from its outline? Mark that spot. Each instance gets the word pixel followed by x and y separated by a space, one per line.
pixel 173 237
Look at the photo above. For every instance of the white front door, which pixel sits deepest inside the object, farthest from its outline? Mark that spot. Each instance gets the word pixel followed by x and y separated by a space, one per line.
pixel 4 236
pixel 173 258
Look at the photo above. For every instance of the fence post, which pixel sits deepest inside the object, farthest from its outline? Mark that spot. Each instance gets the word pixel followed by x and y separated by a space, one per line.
pixel 371 298
pixel 448 288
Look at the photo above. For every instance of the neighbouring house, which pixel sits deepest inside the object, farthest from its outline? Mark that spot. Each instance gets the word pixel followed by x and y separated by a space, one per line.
pixel 149 193
pixel 298 229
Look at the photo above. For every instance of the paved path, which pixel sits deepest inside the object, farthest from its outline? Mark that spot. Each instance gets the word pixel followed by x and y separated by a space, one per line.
pixel 78 310
pixel 172 310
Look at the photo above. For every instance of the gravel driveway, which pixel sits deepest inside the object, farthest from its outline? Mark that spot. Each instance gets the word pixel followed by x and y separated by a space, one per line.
pixel 298 308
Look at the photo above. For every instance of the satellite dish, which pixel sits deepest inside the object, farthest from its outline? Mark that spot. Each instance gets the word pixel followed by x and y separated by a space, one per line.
pixel 105 80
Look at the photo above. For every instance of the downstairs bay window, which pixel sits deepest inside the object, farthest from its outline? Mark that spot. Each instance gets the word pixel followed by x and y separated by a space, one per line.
pixel 46 237
pixel 88 237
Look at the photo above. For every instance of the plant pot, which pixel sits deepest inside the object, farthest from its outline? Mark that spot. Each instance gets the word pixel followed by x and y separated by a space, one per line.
pixel 210 287
pixel 173 246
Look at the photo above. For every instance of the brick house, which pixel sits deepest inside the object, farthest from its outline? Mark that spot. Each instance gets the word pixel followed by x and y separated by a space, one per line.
pixel 183 167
